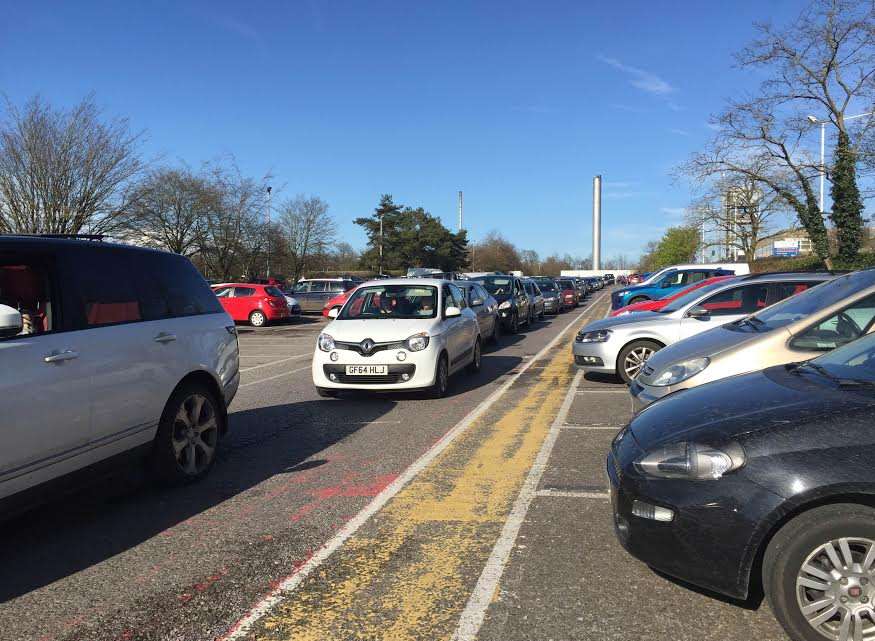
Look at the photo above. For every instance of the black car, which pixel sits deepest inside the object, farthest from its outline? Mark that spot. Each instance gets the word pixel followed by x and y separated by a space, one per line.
pixel 513 302
pixel 776 491
pixel 551 293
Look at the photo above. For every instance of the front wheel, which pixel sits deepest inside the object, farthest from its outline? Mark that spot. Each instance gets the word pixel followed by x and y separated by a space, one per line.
pixel 631 359
pixel 474 366
pixel 257 319
pixel 188 435
pixel 514 323
pixel 817 573
pixel 637 299
pixel 496 332
pixel 441 378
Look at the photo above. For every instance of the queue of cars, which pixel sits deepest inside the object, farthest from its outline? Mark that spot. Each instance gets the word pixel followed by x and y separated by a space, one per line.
pixel 747 467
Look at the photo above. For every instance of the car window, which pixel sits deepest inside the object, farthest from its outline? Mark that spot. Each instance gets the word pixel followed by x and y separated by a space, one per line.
pixel 105 289
pixel 528 287
pixel 461 303
pixel 318 286
pixel 273 291
pixel 25 285
pixel 224 292
pixel 243 292
pixel 169 286
pixel 695 277
pixel 391 301
pixel 336 287
pixel 673 279
pixel 839 329
pixel 497 285
pixel 302 288
pixel 745 299
pixel 536 289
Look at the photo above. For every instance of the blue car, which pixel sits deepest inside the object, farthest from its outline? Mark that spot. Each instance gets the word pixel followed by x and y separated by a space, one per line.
pixel 669 283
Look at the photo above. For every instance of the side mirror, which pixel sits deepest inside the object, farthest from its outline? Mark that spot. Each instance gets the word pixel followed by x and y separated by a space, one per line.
pixel 333 312
pixel 477 302
pixel 698 312
pixel 10 321
pixel 452 312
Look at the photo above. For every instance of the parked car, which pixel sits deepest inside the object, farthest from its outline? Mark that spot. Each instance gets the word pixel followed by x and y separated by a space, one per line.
pixel 551 294
pixel 659 303
pixel 815 321
pixel 761 479
pixel 513 302
pixel 637 279
pixel 313 293
pixel 582 288
pixel 668 283
pixel 570 295
pixel 484 306
pixel 293 305
pixel 609 279
pixel 536 300
pixel 336 302
pixel 111 353
pixel 398 334
pixel 623 344
pixel 252 303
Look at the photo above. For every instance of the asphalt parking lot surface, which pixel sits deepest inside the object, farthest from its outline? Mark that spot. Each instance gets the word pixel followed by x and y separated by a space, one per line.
pixel 483 515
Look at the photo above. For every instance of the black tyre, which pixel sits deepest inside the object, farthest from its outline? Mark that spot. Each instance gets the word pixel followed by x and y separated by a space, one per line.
pixel 496 332
pixel 257 319
pixel 817 573
pixel 188 435
pixel 632 357
pixel 474 366
pixel 514 324
pixel 541 315
pixel 324 392
pixel 637 299
pixel 441 378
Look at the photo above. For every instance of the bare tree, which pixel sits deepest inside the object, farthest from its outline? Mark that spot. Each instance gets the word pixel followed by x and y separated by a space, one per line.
pixel 824 62
pixel 169 209
pixel 530 262
pixel 64 172
pixel 309 230
pixel 495 253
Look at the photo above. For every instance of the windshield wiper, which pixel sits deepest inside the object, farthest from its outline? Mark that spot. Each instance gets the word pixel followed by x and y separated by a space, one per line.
pixel 841 382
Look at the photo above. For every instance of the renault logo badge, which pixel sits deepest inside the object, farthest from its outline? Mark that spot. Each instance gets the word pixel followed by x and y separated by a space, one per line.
pixel 367 346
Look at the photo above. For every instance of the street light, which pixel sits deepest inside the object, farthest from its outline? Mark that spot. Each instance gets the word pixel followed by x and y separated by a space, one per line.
pixel 814 120
pixel 268 233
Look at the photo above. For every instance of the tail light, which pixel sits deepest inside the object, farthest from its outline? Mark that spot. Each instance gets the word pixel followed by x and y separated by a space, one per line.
pixel 273 302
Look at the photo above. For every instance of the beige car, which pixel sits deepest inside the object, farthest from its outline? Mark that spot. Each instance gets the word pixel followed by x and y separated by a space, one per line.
pixel 796 329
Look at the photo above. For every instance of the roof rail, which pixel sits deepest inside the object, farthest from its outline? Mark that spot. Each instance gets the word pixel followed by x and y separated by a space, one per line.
pixel 95 237
pixel 793 272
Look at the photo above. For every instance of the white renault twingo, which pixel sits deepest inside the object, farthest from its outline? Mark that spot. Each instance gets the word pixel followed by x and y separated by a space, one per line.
pixel 400 334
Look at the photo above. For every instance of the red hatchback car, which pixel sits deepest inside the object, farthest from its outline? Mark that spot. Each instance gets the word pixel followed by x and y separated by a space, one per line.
pixel 659 303
pixel 253 303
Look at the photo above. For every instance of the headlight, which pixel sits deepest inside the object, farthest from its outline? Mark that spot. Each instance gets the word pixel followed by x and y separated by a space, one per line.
pixel 417 342
pixel 680 372
pixel 598 336
pixel 623 293
pixel 505 305
pixel 325 342
pixel 691 461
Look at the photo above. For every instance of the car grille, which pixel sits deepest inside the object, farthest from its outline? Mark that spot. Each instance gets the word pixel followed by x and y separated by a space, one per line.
pixel 394 375
pixel 378 347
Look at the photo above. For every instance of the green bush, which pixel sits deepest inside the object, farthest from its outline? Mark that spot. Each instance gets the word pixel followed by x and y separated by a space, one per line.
pixel 863 260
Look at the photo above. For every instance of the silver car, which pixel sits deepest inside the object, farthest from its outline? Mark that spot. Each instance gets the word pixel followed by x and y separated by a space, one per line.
pixel 622 344
pixel 797 329
pixel 485 306
pixel 106 351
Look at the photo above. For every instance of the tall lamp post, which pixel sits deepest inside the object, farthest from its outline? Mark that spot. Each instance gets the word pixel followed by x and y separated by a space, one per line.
pixel 823 123
pixel 268 231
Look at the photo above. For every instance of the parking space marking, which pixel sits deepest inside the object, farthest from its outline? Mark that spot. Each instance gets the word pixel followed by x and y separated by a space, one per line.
pixel 602 391
pixel 603 496
pixel 475 610
pixel 277 362
pixel 287 586
pixel 273 378
pixel 571 426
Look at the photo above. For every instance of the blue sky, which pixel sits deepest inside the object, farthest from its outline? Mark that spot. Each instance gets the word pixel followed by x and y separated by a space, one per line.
pixel 519 104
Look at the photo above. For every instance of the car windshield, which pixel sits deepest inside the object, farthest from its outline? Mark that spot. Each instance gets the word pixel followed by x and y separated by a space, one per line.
pixel 682 301
pixel 811 300
pixel 566 284
pixel 547 285
pixel 391 301
pixel 497 285
pixel 854 361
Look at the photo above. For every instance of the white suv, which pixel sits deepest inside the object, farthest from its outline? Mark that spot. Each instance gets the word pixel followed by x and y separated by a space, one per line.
pixel 107 350
pixel 403 334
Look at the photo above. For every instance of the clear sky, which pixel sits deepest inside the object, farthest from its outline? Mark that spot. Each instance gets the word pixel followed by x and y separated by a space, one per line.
pixel 519 104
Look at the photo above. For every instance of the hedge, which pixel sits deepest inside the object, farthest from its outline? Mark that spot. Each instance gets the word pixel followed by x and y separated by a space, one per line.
pixel 863 260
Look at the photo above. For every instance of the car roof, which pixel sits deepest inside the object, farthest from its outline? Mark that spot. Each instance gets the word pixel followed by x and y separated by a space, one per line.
pixel 788 276
pixel 434 282
pixel 241 285
pixel 36 241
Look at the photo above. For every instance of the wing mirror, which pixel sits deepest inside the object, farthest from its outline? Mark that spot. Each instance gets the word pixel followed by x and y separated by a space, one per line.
pixel 333 312
pixel 477 302
pixel 698 311
pixel 452 312
pixel 10 321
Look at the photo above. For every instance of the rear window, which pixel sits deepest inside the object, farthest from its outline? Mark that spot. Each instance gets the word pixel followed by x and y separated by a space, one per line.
pixel 169 286
pixel 273 291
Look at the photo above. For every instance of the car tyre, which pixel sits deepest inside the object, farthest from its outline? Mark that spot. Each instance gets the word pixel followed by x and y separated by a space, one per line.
pixel 441 378
pixel 474 365
pixel 514 323
pixel 257 319
pixel 542 315
pixel 324 392
pixel 495 339
pixel 188 435
pixel 637 299
pixel 801 543
pixel 632 357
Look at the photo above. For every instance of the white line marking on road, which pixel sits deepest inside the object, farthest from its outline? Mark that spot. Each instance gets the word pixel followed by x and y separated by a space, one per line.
pixel 277 362
pixel 602 391
pixel 293 580
pixel 570 426
pixel 271 378
pixel 574 495
pixel 475 610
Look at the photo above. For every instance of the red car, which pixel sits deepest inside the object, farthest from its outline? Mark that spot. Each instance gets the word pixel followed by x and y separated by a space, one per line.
pixel 337 301
pixel 656 305
pixel 252 302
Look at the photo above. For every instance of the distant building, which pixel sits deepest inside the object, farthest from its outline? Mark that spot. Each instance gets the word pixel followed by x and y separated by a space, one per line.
pixel 795 242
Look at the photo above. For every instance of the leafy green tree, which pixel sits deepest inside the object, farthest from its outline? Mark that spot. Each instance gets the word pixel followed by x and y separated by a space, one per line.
pixel 847 205
pixel 410 238
pixel 677 245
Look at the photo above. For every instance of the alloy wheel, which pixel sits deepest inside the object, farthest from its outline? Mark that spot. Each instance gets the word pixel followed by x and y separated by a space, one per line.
pixel 195 434
pixel 635 360
pixel 257 319
pixel 835 589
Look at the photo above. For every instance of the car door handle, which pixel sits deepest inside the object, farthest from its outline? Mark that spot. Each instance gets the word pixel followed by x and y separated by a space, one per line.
pixel 165 338
pixel 59 357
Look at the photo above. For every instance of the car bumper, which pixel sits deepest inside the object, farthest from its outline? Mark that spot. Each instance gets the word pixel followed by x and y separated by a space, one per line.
pixel 276 313
pixel 643 395
pixel 710 539
pixel 595 357
pixel 295 310
pixel 231 387
pixel 418 366
pixel 551 305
